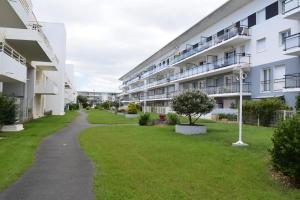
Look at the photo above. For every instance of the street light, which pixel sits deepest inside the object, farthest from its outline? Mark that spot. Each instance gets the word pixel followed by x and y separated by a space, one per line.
pixel 241 76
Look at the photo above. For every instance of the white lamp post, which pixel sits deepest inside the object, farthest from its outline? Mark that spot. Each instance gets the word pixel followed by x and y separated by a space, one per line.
pixel 240 142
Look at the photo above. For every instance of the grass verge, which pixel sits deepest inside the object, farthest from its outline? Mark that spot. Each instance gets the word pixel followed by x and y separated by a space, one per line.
pixel 105 117
pixel 155 163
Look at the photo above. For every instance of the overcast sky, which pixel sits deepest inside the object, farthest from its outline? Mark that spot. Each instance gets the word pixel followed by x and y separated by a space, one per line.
pixel 107 38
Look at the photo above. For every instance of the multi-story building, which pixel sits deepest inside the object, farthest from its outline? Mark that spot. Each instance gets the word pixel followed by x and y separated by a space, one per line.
pixel 32 60
pixel 261 37
pixel 98 97
pixel 70 89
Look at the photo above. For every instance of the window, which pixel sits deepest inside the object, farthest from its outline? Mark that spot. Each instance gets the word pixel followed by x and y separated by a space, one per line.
pixel 272 10
pixel 252 20
pixel 283 35
pixel 266 80
pixel 261 45
pixel 279 75
pixel 261 16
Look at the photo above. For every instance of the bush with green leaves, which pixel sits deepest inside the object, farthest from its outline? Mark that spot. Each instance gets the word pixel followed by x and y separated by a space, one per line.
pixel 83 101
pixel 193 105
pixel 286 148
pixel 132 108
pixel 298 103
pixel 8 110
pixel 145 119
pixel 106 105
pixel 173 119
pixel 230 117
pixel 73 106
pixel 262 110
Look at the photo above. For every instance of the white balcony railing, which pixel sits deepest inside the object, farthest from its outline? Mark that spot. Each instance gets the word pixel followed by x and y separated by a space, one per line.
pixel 8 50
pixel 37 27
pixel 27 5
pixel 46 87
pixel 289 5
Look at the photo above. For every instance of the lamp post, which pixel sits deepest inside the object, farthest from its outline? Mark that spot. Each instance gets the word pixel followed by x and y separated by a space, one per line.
pixel 240 142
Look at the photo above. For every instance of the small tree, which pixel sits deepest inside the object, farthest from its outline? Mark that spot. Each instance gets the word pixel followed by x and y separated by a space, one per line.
pixel 132 108
pixel 8 110
pixel 83 101
pixel 106 105
pixel 298 103
pixel 286 148
pixel 193 105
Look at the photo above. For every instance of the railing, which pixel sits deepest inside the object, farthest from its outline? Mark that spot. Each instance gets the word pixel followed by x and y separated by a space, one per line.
pixel 37 27
pixel 27 5
pixel 265 86
pixel 290 5
pixel 215 40
pixel 292 41
pixel 155 70
pixel 8 50
pixel 292 81
pixel 279 84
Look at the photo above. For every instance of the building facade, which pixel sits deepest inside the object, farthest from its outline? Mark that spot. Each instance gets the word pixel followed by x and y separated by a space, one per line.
pixel 261 37
pixel 98 97
pixel 32 60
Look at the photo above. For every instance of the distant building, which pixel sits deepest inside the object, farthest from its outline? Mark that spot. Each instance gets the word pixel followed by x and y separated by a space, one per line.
pixel 98 97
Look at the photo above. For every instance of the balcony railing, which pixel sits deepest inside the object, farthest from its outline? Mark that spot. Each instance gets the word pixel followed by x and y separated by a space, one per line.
pixel 215 40
pixel 8 50
pixel 265 86
pixel 290 5
pixel 292 81
pixel 292 41
pixel 37 27
pixel 27 5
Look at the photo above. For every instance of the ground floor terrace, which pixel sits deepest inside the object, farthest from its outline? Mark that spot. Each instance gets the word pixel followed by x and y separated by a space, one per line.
pixel 126 161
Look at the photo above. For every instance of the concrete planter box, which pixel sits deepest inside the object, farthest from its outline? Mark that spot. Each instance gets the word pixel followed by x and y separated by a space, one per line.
pixel 191 130
pixel 119 113
pixel 131 116
pixel 12 128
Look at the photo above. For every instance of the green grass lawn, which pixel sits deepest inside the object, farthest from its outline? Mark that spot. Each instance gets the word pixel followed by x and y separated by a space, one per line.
pixel 155 163
pixel 105 117
pixel 17 150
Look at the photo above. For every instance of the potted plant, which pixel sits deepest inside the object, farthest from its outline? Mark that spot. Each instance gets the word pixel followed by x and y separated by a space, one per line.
pixel 132 111
pixel 8 115
pixel 192 105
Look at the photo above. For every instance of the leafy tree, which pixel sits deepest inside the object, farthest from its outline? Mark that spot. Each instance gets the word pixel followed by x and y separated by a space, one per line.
pixel 83 101
pixel 286 148
pixel 298 103
pixel 8 110
pixel 132 108
pixel 193 105
pixel 106 105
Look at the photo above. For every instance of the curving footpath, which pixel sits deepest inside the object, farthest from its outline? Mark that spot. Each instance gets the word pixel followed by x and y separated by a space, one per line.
pixel 60 171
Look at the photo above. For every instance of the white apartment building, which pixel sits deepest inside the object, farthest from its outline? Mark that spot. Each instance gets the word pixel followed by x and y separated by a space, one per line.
pixel 262 37
pixel 32 60
pixel 98 97
pixel 70 89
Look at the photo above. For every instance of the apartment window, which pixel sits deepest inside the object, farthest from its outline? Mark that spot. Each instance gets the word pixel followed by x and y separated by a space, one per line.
pixel 261 16
pixel 252 20
pixel 266 80
pixel 261 45
pixel 272 10
pixel 283 35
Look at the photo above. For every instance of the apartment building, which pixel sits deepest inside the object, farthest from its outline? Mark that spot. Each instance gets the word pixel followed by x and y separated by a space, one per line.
pixel 260 37
pixel 70 89
pixel 32 60
pixel 98 97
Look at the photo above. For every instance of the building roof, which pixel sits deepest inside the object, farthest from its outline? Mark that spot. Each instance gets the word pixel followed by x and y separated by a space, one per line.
pixel 224 10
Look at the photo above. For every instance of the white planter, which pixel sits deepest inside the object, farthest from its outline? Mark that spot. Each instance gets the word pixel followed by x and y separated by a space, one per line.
pixel 119 113
pixel 12 128
pixel 191 130
pixel 131 116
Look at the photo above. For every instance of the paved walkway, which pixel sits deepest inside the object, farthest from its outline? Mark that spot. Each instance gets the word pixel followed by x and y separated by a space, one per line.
pixel 60 172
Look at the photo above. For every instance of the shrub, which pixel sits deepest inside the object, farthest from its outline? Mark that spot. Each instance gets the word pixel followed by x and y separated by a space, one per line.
pixel 193 105
pixel 173 119
pixel 106 105
pixel 230 117
pixel 73 106
pixel 88 108
pixel 8 110
pixel 145 119
pixel 262 110
pixel 298 103
pixel 83 101
pixel 132 109
pixel 286 148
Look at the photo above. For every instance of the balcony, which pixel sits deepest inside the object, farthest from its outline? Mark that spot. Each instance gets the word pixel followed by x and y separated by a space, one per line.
pixel 46 87
pixel 292 83
pixel 291 9
pixel 31 43
pixel 17 11
pixel 220 66
pixel 234 36
pixel 228 90
pixel 12 65
pixel 292 45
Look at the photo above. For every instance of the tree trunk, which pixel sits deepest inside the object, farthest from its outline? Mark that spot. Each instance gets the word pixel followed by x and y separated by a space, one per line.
pixel 190 119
